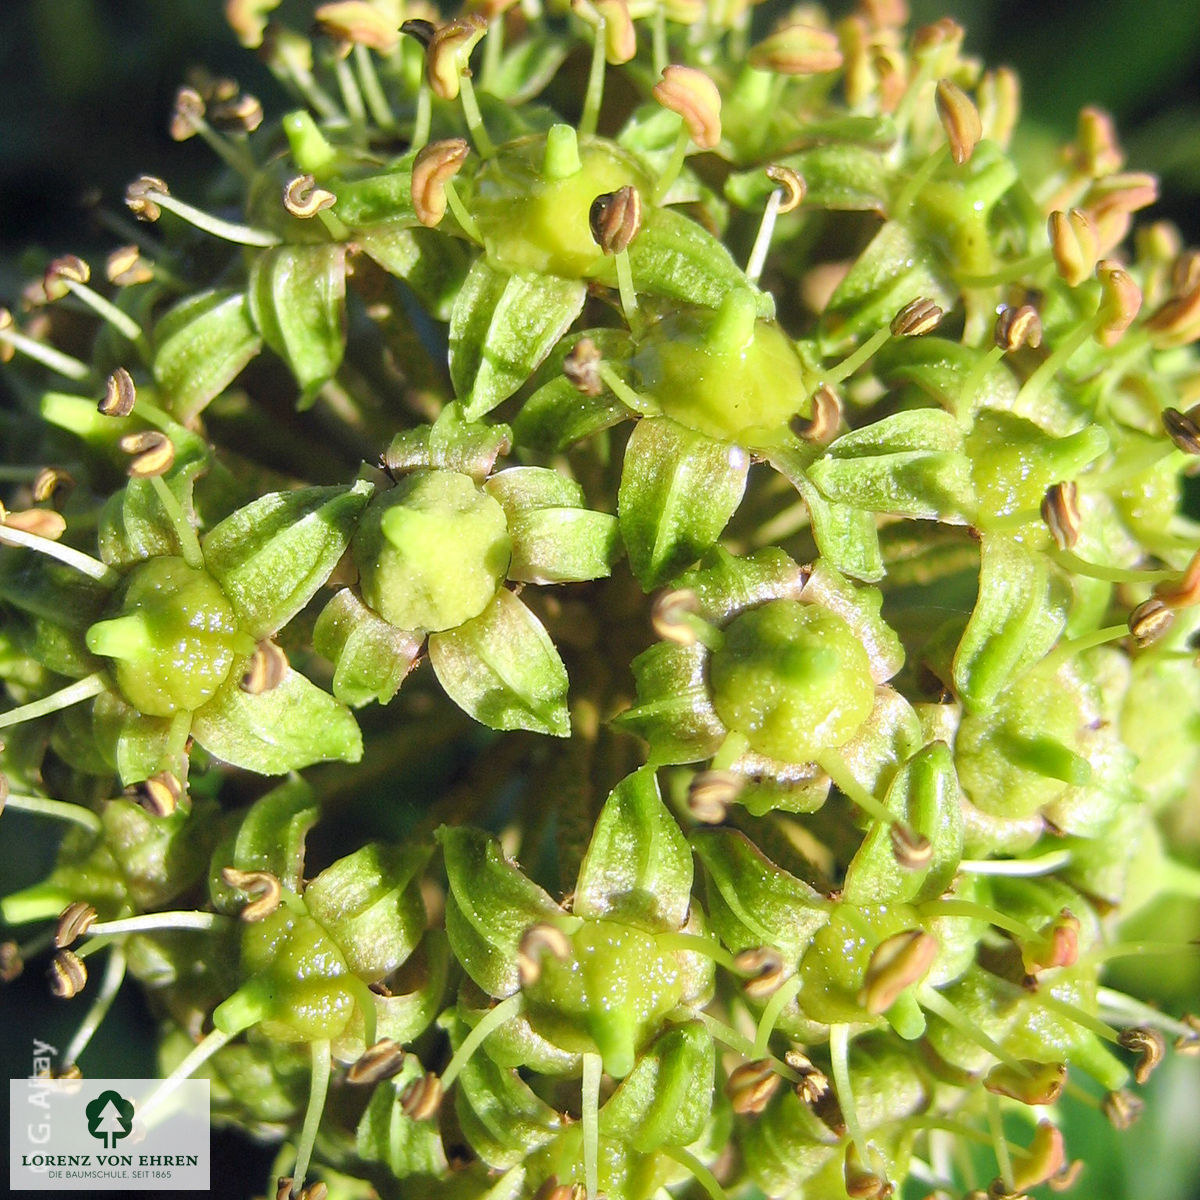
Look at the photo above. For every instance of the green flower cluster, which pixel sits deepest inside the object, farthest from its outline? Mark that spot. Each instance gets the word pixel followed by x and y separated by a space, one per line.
pixel 852 582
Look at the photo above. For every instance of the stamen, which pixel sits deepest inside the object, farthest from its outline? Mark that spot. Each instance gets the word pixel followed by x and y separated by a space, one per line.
pixel 433 168
pixel 71 274
pixel 538 941
pixel 203 922
pixel 959 118
pixel 1045 864
pixel 764 970
pixel 75 693
pixel 491 1020
pixel 703 1176
pixel 110 985
pixel 11 341
pixel 161 793
pixel 999 1144
pixel 581 367
pixel 950 907
pixel 147 196
pixel 322 1068
pixel 1121 1108
pixel 188 120
pixel 839 1058
pixel 782 997
pixel 372 90
pixel 73 922
pixel 593 1068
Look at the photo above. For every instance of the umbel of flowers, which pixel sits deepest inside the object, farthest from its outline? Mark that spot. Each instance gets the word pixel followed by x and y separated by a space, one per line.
pixel 707 523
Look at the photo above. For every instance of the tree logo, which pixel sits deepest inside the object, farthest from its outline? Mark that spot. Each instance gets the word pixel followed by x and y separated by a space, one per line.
pixel 109 1118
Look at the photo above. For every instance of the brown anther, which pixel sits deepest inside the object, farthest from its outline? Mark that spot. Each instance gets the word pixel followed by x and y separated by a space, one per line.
pixel 160 794
pixel 1149 1045
pixel 536 942
pixel 1121 1108
pixel 820 428
pixel 11 963
pixel 1075 245
pixel 420 30
pixel 262 885
pixel 551 1189
pixel 267 669
pixel 119 394
pixel 751 1086
pixel 1065 1179
pixel 693 95
pixel 1045 1158
pixel 669 612
pixel 1176 322
pixel 139 197
pixel 1185 591
pixel 710 794
pixel 960 119
pixel 62 271
pixel 152 453
pixel 302 198
pixel 861 1182
pixel 764 971
pixel 916 318
pixel 792 183
pixel 7 350
pixel 73 922
pixel 895 965
pixel 999 1190
pixel 813 1083
pixel 358 23
pixel 383 1060
pixel 50 482
pixel 1150 621
pixel 1189 1044
pixel 448 52
pixel 67 975
pixel 1060 512
pixel 615 218
pixel 1096 151
pixel 912 850
pixel 239 114
pixel 187 116
pixel 581 367
pixel 1018 326
pixel 1038 1083
pixel 422 1098
pixel 1120 301
pixel 44 522
pixel 798 49
pixel 435 165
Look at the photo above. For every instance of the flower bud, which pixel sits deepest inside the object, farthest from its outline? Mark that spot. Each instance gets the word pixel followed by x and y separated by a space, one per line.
pixel 434 166
pixel 693 95
pixel 959 118
pixel 798 50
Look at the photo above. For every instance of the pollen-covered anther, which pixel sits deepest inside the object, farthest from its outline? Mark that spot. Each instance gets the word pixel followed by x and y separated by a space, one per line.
pixel 44 522
pixel 710 794
pixel 380 1061
pixel 536 942
pixel 11 962
pixel 798 49
pixel 125 267
pixel 67 975
pixel 73 922
pixel 1148 1044
pixel 358 23
pixel 1121 1108
pixel 50 482
pixel 813 1083
pixel 669 616
pixel 1060 512
pixel 140 197
pixel 1120 301
pixel 821 427
pixel 896 964
pixel 960 119
pixel 160 794
pixel 151 453
pixel 187 114
pixel 448 52
pixel 1018 326
pixel 422 1098
pixel 265 888
pixel 916 318
pixel 266 671
pixel 693 95
pixel 615 218
pixel 435 165
pixel 764 971
pixel 581 367
pixel 302 198
pixel 792 182
pixel 1036 1083
pixel 912 850
pixel 67 268
pixel 119 394
pixel 751 1086
pixel 1075 245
